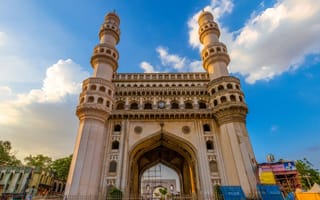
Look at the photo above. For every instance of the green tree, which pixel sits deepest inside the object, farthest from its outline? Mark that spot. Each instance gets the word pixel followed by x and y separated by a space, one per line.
pixel 163 192
pixel 308 174
pixel 6 156
pixel 41 161
pixel 61 167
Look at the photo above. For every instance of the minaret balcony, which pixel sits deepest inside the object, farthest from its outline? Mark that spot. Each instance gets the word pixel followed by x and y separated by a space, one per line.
pixel 208 28
pixel 105 53
pixel 111 29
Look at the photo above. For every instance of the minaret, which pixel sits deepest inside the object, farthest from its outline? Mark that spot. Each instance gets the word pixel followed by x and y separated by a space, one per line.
pixel 95 105
pixel 214 54
pixel 229 109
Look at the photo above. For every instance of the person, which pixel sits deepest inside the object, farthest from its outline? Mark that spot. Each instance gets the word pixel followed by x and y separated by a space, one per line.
pixel 30 193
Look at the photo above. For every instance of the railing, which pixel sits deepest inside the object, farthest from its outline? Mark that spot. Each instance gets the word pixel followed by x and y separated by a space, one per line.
pixel 253 196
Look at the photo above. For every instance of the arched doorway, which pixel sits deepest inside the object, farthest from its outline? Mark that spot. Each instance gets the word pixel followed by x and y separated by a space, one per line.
pixel 159 181
pixel 168 149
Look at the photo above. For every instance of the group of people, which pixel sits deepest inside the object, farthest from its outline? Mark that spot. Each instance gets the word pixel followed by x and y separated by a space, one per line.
pixel 30 192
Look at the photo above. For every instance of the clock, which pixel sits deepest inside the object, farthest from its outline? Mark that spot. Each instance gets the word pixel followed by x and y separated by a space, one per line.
pixel 161 104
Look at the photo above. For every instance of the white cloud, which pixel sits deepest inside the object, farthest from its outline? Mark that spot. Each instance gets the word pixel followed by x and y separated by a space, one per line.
pixel 276 40
pixel 272 42
pixel 44 116
pixel 172 62
pixel 147 67
pixel 62 79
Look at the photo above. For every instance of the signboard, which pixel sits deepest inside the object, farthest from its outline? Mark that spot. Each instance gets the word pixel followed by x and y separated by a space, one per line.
pixel 270 192
pixel 267 178
pixel 232 193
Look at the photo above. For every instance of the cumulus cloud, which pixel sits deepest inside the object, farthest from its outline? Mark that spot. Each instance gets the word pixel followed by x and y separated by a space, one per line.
pixel 273 41
pixel 62 78
pixel 147 67
pixel 277 40
pixel 45 114
pixel 172 62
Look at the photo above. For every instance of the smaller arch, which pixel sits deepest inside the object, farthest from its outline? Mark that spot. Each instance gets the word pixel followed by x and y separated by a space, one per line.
pixel 229 86
pixel 117 128
pixel 206 128
pixel 90 99
pixel 174 105
pixel 188 105
pixel 109 92
pixel 102 89
pixel 223 99
pixel 209 145
pixel 232 98
pixel 213 91
pixel 202 105
pixel 113 167
pixel 134 106
pixel 148 106
pixel 108 104
pixel 93 87
pixel 115 145
pixel 240 99
pixel 108 51
pixel 237 87
pixel 100 100
pixel 120 105
pixel 215 102
pixel 220 87
pixel 213 166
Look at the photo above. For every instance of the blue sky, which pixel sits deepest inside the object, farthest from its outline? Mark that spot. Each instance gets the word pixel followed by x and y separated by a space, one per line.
pixel 45 49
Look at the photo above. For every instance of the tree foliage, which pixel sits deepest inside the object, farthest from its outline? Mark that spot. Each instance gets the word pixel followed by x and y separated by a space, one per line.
pixel 38 161
pixel 308 174
pixel 6 156
pixel 61 167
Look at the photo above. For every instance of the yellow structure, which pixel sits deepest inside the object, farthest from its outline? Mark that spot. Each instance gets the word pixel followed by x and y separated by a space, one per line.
pixel 194 123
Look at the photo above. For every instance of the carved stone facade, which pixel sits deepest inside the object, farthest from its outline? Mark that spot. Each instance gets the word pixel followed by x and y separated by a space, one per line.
pixel 193 123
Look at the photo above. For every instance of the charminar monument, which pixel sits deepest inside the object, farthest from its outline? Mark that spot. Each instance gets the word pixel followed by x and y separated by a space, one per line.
pixel 193 123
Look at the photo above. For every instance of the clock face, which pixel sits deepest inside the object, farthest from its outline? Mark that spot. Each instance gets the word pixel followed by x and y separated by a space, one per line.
pixel 161 104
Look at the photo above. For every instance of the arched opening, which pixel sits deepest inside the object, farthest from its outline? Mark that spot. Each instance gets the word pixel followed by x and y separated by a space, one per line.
pixel 148 106
pixel 117 128
pixel 166 149
pixel 202 105
pixel 188 105
pixel 174 105
pixel 159 177
pixel 113 167
pixel 206 127
pixel 209 144
pixel 115 145
pixel 120 105
pixel 134 106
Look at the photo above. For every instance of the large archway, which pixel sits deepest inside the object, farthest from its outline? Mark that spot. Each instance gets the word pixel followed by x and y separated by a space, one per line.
pixel 170 150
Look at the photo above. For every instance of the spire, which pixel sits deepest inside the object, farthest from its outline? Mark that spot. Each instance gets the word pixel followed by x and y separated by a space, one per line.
pixel 105 56
pixel 215 58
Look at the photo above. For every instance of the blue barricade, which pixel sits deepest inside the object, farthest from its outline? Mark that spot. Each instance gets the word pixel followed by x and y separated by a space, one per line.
pixel 232 193
pixel 270 192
